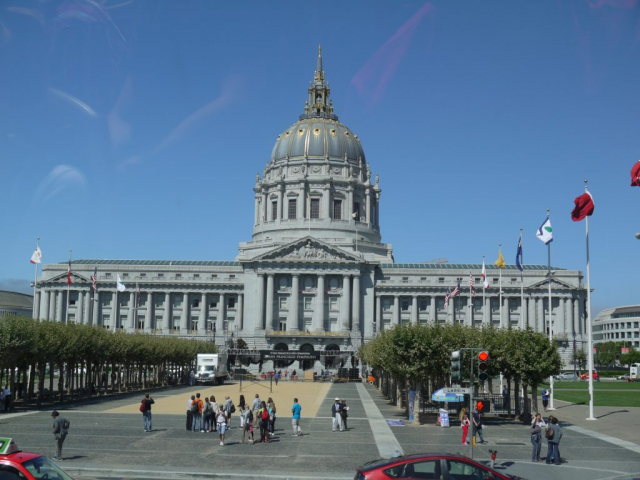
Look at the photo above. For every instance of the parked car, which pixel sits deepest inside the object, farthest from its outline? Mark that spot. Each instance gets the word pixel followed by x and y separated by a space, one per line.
pixel 626 377
pixel 32 466
pixel 566 376
pixel 428 465
pixel 585 375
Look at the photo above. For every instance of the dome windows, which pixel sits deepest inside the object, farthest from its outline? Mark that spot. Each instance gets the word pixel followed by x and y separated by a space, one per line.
pixel 300 132
pixel 316 132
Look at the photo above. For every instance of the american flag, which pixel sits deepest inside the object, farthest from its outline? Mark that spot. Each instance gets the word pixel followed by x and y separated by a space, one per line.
pixel 69 273
pixel 456 291
pixel 94 280
pixel 472 286
pixel 446 298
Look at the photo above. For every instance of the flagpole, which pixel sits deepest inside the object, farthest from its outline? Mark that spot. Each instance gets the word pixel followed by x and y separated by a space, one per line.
pixel 500 293
pixel 35 281
pixel 93 296
pixel 115 307
pixel 522 325
pixel 551 407
pixel 484 298
pixel 68 289
pixel 590 338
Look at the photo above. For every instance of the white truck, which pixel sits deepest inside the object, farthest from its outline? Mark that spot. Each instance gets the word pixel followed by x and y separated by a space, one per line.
pixel 211 368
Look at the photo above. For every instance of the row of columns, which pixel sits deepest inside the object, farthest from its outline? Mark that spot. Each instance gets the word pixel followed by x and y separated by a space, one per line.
pixel 50 305
pixel 566 317
pixel 349 305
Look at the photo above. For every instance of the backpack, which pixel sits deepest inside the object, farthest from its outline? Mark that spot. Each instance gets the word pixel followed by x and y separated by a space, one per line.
pixel 142 406
pixel 250 416
pixel 66 424
pixel 549 434
pixel 232 408
pixel 264 415
pixel 194 407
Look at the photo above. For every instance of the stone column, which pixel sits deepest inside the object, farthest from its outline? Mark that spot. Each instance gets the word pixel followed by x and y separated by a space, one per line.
pixel 80 308
pixel 378 314
pixel 326 201
pixel 240 314
pixel 265 208
pixel 132 312
pixel 59 305
pixel 350 205
pixel 35 313
pixel 257 210
pixel 355 320
pixel 368 210
pixel 451 314
pixel 319 317
pixel 396 309
pixel 95 312
pixel 222 313
pixel 524 313
pixel 269 300
pixel 292 324
pixel 469 313
pixel 87 308
pixel 114 310
pixel 541 317
pixel 279 209
pixel 45 304
pixel 576 317
pixel 149 313
pixel 184 314
pixel 202 325
pixel 433 314
pixel 414 309
pixel 260 298
pixel 505 312
pixel 344 307
pixel 166 317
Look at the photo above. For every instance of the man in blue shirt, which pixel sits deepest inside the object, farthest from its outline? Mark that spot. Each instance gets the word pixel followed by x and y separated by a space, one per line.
pixel 295 421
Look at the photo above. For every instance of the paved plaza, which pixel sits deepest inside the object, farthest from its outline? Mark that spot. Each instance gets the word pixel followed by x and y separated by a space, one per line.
pixel 107 438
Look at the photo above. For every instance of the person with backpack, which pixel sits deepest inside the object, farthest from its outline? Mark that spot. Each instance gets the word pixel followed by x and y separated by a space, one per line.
pixel 229 408
pixel 60 432
pixel 196 411
pixel 553 436
pixel 145 408
pixel 537 424
pixel 189 412
pixel 263 417
pixel 246 421
pixel 221 421
pixel 335 414
pixel 207 415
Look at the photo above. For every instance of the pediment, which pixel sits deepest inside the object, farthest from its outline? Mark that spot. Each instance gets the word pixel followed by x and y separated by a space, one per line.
pixel 308 249
pixel 75 278
pixel 554 282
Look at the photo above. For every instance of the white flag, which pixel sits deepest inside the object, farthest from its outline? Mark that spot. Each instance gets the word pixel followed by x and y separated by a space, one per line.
pixel 545 232
pixel 485 282
pixel 37 256
pixel 121 286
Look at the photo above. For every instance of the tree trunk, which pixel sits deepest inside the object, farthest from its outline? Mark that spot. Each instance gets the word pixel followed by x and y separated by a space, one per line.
pixel 534 398
pixel 516 395
pixel 32 380
pixel 51 375
pixel 41 369
pixel 508 396
pixel 61 382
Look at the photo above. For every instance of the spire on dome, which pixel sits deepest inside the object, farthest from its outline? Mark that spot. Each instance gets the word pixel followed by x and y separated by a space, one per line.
pixel 318 104
pixel 319 71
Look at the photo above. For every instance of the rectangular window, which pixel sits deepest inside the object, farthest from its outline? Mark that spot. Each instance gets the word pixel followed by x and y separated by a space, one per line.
pixel 405 305
pixel 213 304
pixel 175 323
pixel 333 303
pixel 178 275
pixel 124 302
pixel 386 324
pixel 496 280
pixel 282 324
pixel 423 279
pixel 440 304
pixel 307 303
pixel 196 275
pixel 386 304
pixel 356 211
pixel 423 305
pixel 514 305
pixel 231 302
pixel 140 322
pixel 274 210
pixel 123 321
pixel 283 302
pixel 125 275
pixel 315 208
pixel 495 305
pixel 158 321
pixel 211 324
pixel 71 318
pixel 194 323
pixel 106 320
pixel 477 304
pixel 195 303
pixel 337 209
pixel 158 301
pixel 307 324
pixel 405 279
pixel 143 274
pixel 333 324
pixel 440 279
pixel 107 275
pixel 161 275
pixel 292 214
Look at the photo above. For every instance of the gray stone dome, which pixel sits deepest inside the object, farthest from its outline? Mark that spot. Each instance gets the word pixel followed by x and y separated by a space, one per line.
pixel 318 138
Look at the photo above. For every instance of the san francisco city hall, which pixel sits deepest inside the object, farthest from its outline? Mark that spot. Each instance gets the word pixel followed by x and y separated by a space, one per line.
pixel 316 275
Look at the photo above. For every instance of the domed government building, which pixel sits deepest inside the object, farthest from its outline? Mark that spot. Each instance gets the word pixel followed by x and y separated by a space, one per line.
pixel 315 278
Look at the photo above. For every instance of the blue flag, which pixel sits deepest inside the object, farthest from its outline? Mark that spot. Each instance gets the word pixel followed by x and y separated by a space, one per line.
pixel 519 255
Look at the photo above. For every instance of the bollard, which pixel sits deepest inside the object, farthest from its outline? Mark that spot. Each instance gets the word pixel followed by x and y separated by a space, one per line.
pixel 494 454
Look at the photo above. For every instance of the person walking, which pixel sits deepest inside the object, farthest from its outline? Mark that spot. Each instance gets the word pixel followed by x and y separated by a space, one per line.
pixel 7 398
pixel 276 377
pixel 263 416
pixel 344 413
pixel 335 415
pixel 229 408
pixel 221 421
pixel 207 415
pixel 60 432
pixel 192 377
pixel 214 411
pixel 553 436
pixel 255 407
pixel 537 424
pixel 190 412
pixel 145 407
pixel 295 418
pixel 545 399
pixel 272 416
pixel 477 423
pixel 242 405
pixel 464 423
pixel 196 411
pixel 245 421
pixel 505 398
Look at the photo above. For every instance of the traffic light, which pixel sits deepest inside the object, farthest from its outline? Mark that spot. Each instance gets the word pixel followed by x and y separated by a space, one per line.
pixel 456 366
pixel 483 366
pixel 484 406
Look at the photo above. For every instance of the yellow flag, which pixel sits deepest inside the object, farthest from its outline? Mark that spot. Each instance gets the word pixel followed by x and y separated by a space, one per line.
pixel 500 261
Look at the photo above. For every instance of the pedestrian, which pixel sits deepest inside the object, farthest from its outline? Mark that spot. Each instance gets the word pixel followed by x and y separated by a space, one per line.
pixel 229 408
pixel 207 415
pixel 464 423
pixel 344 413
pixel 255 407
pixel 242 405
pixel 221 420
pixel 60 432
pixel 553 436
pixel 545 399
pixel 214 411
pixel 263 416
pixel 537 424
pixel 246 418
pixel 276 377
pixel 295 418
pixel 2 398
pixel 189 412
pixel 294 375
pixel 286 372
pixel 271 405
pixel 7 398
pixel 196 410
pixel 335 415
pixel 505 398
pixel 192 377
pixel 477 423
pixel 145 408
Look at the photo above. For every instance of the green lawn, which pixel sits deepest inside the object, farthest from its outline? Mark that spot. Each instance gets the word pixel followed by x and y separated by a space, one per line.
pixel 584 385
pixel 600 399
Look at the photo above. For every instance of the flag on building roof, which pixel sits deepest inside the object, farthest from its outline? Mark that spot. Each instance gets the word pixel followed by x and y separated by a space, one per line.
pixel 635 174
pixel 500 261
pixel 485 282
pixel 456 291
pixel 94 279
pixel 472 285
pixel 37 256
pixel 545 232
pixel 446 298
pixel 584 207
pixel 119 285
pixel 519 254
pixel 69 273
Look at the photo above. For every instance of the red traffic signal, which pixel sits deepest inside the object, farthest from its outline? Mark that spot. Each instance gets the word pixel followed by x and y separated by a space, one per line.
pixel 483 356
pixel 483 406
pixel 483 366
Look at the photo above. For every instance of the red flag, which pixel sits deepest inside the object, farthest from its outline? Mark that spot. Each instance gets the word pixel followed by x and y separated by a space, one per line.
pixel 69 274
pixel 584 207
pixel 635 174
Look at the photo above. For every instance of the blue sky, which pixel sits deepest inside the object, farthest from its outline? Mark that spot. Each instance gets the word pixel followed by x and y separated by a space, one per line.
pixel 133 129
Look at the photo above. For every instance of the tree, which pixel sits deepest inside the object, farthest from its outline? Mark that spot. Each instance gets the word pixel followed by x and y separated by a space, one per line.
pixel 580 359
